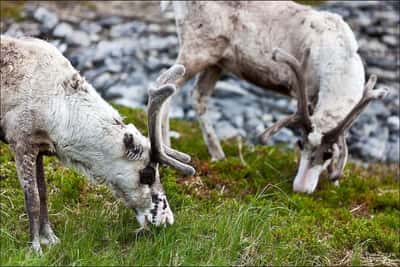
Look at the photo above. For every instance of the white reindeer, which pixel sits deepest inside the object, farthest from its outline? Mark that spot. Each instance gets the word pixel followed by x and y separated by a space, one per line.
pixel 263 42
pixel 47 108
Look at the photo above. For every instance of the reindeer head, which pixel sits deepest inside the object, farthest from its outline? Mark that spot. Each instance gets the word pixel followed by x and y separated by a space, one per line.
pixel 319 150
pixel 142 157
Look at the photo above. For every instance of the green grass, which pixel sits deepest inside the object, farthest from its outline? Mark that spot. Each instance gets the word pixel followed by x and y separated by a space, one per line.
pixel 11 9
pixel 230 213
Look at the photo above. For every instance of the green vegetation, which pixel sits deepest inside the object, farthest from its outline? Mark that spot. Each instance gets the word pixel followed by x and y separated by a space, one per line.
pixel 231 213
pixel 11 9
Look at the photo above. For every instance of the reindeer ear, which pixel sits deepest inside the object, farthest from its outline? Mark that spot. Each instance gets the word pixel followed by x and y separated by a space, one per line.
pixel 132 151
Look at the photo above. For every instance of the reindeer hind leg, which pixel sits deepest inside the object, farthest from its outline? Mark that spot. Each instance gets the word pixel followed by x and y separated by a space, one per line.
pixel 25 157
pixel 47 236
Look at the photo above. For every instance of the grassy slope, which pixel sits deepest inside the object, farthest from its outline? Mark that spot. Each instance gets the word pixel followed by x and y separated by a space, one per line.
pixel 229 214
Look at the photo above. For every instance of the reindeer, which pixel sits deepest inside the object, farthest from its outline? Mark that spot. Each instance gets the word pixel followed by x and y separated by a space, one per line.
pixel 264 43
pixel 47 108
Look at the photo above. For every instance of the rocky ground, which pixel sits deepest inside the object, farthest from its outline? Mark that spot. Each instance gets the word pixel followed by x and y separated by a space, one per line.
pixel 122 47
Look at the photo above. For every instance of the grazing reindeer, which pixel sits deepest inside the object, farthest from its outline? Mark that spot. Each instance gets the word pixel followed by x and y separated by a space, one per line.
pixel 240 37
pixel 47 108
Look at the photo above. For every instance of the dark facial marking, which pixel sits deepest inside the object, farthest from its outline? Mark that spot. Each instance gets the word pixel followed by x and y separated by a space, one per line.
pixel 133 151
pixel 148 176
pixel 327 155
pixel 155 200
pixel 300 144
pixel 2 136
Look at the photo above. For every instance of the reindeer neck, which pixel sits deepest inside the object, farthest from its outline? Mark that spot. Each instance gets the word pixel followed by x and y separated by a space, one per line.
pixel 341 83
pixel 85 131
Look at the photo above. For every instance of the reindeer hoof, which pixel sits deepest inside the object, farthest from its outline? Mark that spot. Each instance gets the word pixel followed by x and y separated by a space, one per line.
pixel 47 237
pixel 49 240
pixel 37 248
pixel 217 158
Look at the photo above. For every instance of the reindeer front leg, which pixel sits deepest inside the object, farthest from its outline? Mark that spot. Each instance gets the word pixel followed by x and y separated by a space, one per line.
pixel 25 157
pixel 47 236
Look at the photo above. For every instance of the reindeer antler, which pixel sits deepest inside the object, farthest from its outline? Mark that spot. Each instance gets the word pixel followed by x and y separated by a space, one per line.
pixel 302 114
pixel 368 95
pixel 160 152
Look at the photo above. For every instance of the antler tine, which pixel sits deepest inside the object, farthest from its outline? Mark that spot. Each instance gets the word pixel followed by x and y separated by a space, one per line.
pixel 280 55
pixel 171 75
pixel 292 119
pixel 368 95
pixel 177 154
pixel 157 97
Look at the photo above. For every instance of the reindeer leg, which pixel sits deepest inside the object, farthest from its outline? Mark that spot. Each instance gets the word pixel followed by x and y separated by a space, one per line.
pixel 194 63
pixel 25 157
pixel 204 87
pixel 47 236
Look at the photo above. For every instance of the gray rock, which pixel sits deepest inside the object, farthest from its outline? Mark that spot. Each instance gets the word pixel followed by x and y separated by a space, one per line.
pixel 156 64
pixel 371 45
pixel 190 115
pixel 364 20
pixel 238 121
pixel 110 21
pixel 78 38
pixel 132 103
pixel 284 136
pixel 384 75
pixel 394 123
pixel 107 48
pixel 62 47
pixel 383 63
pixel 252 113
pixel 391 40
pixel 225 130
pixel 155 28
pixel 267 118
pixel 47 18
pixel 63 30
pixel 90 27
pixel 15 31
pixel 213 114
pixel 127 29
pixel 378 109
pixel 133 93
pixel 28 28
pixel 374 147
pixel 103 81
pixel 228 89
pixel 154 42
pixel 176 112
pixel 393 152
pixel 113 65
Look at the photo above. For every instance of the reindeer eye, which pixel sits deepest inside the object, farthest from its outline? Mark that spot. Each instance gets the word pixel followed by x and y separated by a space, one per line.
pixel 327 155
pixel 147 176
pixel 300 144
